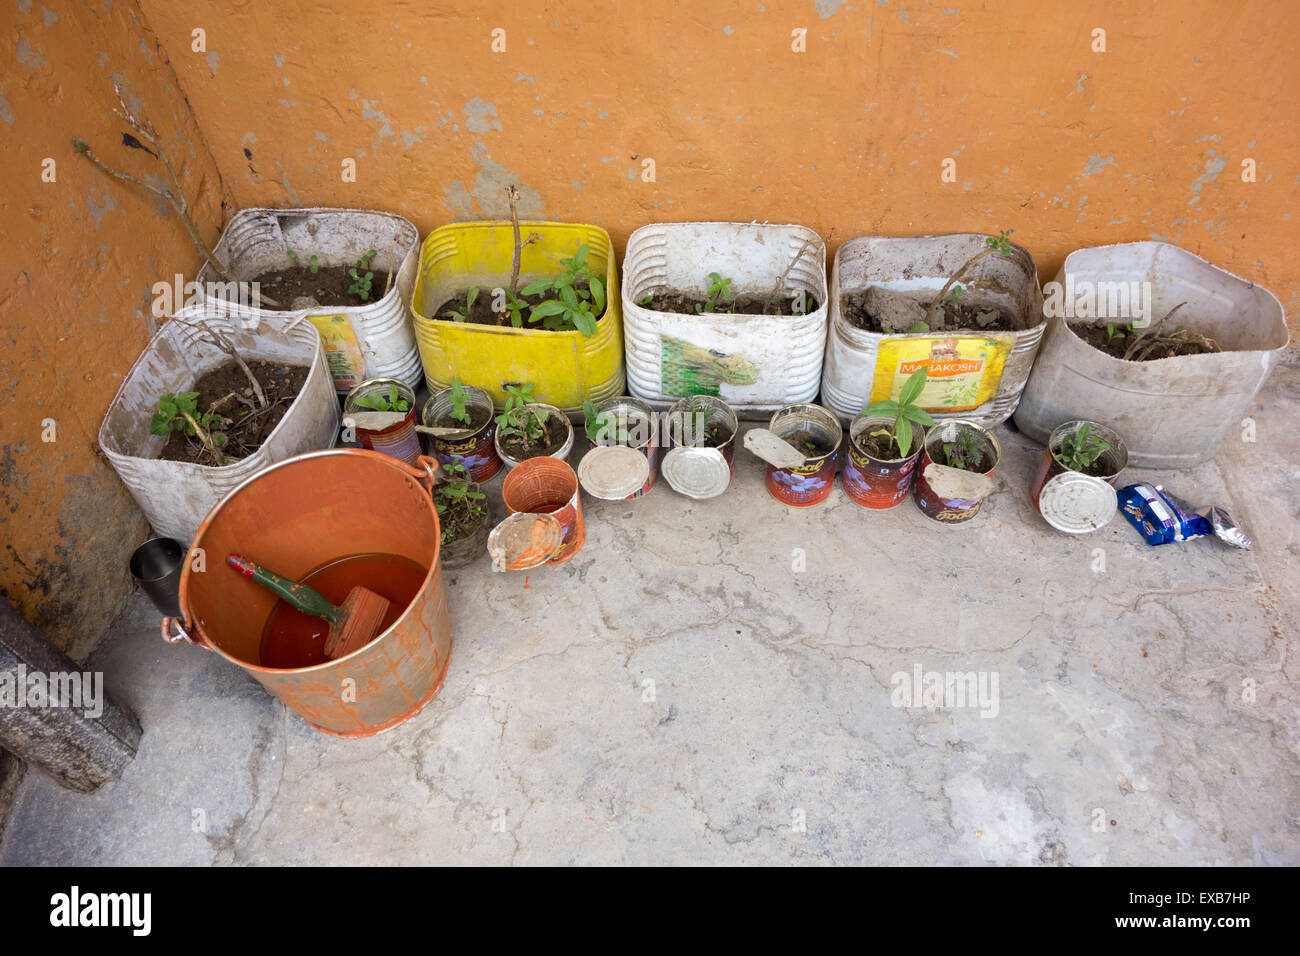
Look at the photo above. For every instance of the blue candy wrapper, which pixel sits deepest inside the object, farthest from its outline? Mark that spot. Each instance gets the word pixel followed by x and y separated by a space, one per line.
pixel 1161 517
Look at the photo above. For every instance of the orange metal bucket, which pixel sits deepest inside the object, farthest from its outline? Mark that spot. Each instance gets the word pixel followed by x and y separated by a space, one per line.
pixel 548 486
pixel 297 516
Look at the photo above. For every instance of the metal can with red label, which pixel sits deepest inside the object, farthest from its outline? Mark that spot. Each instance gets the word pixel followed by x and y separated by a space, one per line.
pixel 400 440
pixel 815 432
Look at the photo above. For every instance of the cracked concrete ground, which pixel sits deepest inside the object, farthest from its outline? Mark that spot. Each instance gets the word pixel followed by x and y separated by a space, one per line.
pixel 678 694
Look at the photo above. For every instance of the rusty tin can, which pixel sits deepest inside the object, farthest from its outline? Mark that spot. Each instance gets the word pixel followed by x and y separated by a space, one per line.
pixel 401 441
pixel 877 482
pixel 952 510
pixel 691 421
pixel 641 427
pixel 1071 501
pixel 473 447
pixel 548 486
pixel 811 482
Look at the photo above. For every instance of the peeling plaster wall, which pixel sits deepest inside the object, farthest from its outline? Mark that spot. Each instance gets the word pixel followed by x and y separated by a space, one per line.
pixel 80 256
pixel 1066 146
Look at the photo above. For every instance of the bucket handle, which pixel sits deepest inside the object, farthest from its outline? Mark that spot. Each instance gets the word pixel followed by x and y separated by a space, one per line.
pixel 175 630
pixel 423 470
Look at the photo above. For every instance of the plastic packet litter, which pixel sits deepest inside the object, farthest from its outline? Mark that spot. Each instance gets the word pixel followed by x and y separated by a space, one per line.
pixel 1161 517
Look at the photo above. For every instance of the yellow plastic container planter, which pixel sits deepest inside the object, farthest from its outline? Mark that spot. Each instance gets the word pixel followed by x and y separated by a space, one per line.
pixel 565 367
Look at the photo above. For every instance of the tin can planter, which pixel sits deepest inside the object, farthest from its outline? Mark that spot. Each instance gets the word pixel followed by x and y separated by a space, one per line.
pixel 954 508
pixel 365 340
pixel 1173 411
pixel 175 495
pixel 561 453
pixel 399 440
pixel 640 427
pixel 873 481
pixel 757 363
pixel 1072 501
pixel 973 374
pixel 471 544
pixel 473 447
pixel 815 431
pixel 701 431
pixel 566 367
pixel 548 487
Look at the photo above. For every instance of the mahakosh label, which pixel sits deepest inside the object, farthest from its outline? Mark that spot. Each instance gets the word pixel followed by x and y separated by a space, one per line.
pixel 962 372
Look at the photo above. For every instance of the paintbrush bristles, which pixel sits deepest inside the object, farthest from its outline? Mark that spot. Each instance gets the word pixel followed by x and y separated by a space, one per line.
pixel 363 615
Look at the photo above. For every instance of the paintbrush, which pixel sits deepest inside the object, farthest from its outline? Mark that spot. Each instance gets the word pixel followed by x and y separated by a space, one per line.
pixel 353 624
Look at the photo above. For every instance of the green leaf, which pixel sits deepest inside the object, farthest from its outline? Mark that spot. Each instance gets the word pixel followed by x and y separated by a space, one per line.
pixel 884 409
pixel 585 323
pixel 597 294
pixel 473 294
pixel 158 425
pixel 536 287
pixel 543 309
pixel 918 415
pixel 580 257
pixel 912 387
pixel 903 435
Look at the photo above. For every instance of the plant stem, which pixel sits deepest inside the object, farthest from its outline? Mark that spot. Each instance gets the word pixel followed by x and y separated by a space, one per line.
pixel 214 337
pixel 208 444
pixel 780 282
pixel 959 274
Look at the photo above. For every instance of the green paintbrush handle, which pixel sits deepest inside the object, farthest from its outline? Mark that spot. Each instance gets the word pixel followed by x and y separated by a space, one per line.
pixel 297 595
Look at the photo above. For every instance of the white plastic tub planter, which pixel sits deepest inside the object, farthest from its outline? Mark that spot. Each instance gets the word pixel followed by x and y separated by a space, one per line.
pixel 1172 412
pixel 756 363
pixel 368 340
pixel 973 374
pixel 176 495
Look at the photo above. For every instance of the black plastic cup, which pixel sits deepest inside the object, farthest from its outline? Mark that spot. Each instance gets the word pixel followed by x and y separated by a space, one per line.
pixel 156 566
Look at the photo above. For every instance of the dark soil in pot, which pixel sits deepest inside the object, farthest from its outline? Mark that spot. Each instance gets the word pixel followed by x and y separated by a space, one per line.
pixel 482 313
pixel 225 391
pixel 882 447
pixel 1123 342
pixel 520 448
pixel 884 311
pixel 714 436
pixel 328 286
pixel 969 453
pixel 692 303
pixel 478 417
pixel 810 443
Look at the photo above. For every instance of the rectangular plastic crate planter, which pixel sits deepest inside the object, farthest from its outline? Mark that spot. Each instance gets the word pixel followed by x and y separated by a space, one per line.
pixel 364 341
pixel 1172 412
pixel 176 495
pixel 755 363
pixel 984 372
pixel 566 367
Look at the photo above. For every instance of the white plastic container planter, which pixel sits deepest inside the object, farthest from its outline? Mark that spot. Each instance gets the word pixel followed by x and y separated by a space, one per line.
pixel 1172 412
pixel 988 369
pixel 363 341
pixel 756 363
pixel 176 495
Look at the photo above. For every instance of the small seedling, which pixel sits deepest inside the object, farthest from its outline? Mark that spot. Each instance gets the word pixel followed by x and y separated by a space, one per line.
pixel 1113 333
pixel 179 413
pixel 568 307
pixel 603 427
pixel 964 453
pixel 648 299
pixel 905 411
pixel 518 419
pixel 1080 451
pixel 462 314
pixel 313 266
pixel 999 244
pixel 361 283
pixel 454 491
pixel 378 403
pixel 459 399
pixel 718 288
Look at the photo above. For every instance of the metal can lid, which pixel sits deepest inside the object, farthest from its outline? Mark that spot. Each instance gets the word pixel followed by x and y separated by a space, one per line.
pixel 525 541
pixel 696 472
pixel 612 472
pixel 1076 503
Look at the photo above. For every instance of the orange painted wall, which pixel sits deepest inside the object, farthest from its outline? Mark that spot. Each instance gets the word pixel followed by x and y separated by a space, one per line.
pixel 79 255
pixel 1066 146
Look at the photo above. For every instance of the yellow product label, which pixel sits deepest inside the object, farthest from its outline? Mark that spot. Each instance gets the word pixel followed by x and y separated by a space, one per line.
pixel 962 371
pixel 347 366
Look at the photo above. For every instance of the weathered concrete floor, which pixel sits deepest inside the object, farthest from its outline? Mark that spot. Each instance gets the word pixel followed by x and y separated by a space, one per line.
pixel 1124 699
